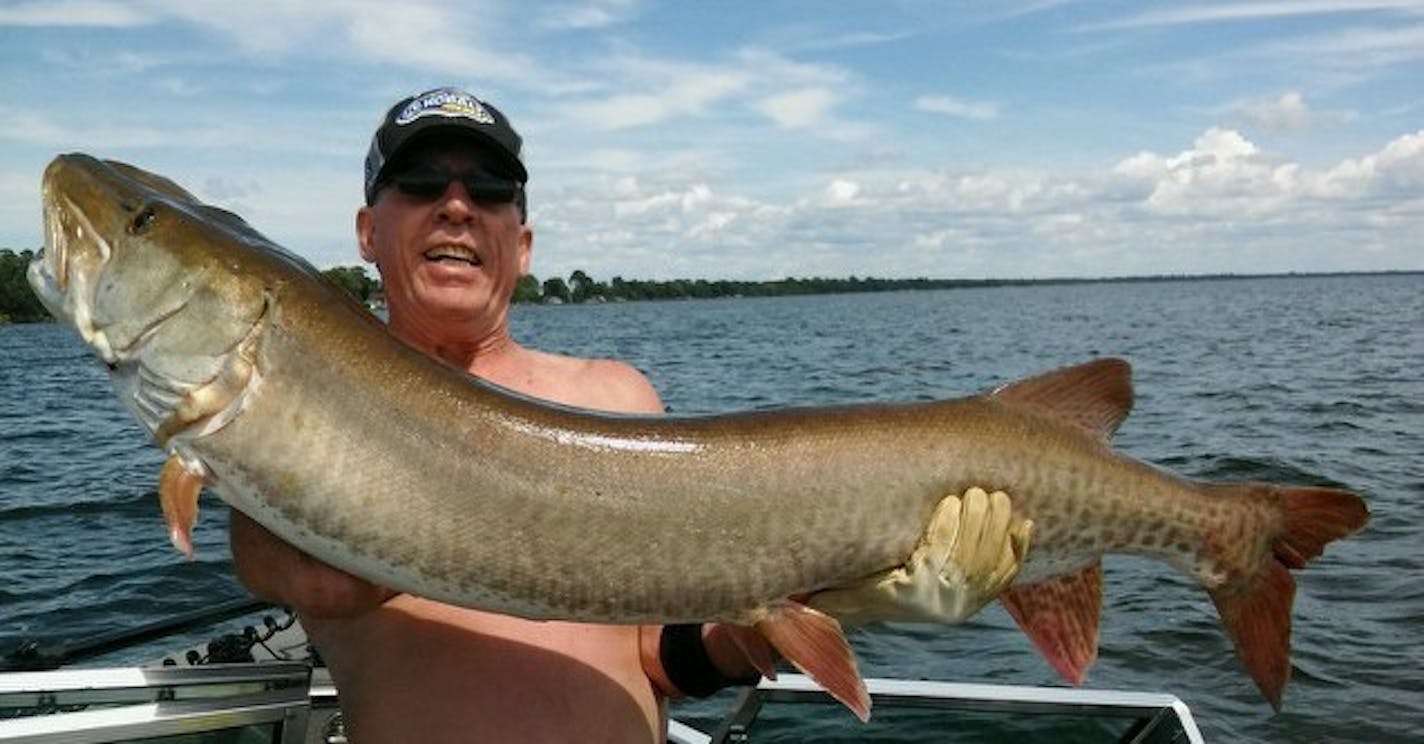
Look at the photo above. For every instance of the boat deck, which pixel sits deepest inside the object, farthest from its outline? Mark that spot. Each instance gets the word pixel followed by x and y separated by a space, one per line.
pixel 273 693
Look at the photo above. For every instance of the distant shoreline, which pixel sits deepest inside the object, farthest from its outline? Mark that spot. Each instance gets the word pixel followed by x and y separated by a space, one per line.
pixel 964 283
pixel 694 289
pixel 590 291
pixel 700 289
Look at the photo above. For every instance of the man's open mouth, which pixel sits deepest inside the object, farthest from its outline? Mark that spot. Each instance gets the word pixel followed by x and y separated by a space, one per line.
pixel 453 253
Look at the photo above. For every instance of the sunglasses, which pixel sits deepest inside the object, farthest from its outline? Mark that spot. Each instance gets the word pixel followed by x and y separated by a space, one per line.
pixel 427 183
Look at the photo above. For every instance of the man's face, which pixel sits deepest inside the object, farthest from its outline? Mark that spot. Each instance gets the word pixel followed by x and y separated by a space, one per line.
pixel 448 257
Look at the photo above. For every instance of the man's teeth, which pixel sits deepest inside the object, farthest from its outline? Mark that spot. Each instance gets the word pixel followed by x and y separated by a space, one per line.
pixel 453 252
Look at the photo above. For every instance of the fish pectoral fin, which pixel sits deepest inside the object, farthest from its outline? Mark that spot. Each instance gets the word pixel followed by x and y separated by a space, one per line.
pixel 970 553
pixel 178 489
pixel 814 643
pixel 1060 616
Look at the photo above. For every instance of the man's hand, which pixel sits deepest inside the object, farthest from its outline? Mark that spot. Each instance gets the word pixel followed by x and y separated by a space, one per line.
pixel 275 571
pixel 970 552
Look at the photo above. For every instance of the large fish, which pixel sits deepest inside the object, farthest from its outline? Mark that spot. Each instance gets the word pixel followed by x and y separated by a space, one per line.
pixel 266 384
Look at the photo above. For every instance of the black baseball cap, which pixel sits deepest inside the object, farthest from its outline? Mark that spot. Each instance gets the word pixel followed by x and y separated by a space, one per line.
pixel 448 111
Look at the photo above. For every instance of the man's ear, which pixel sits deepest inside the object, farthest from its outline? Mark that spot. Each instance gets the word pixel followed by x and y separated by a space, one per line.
pixel 365 225
pixel 526 249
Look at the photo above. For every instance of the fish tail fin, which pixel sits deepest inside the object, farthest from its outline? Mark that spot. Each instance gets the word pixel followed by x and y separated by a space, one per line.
pixel 813 642
pixel 1256 609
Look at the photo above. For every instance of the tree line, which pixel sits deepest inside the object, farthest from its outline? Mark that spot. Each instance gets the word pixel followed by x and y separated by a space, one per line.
pixel 18 303
pixel 580 287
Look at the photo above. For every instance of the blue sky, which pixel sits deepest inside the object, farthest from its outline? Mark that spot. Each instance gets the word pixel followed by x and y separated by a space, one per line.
pixel 770 139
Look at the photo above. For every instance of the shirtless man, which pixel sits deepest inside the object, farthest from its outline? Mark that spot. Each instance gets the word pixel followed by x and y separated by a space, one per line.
pixel 444 222
pixel 445 225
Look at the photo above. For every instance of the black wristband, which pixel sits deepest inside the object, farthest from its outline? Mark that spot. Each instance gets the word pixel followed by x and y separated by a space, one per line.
pixel 687 665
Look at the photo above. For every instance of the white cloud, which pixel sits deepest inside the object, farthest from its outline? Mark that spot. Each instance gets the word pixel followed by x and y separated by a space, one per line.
pixel 1248 11
pixel 840 192
pixel 817 40
pixel 952 106
pixel 73 13
pixel 665 92
pixel 798 109
pixel 650 91
pixel 31 127
pixel 419 35
pixel 1398 169
pixel 1223 173
pixel 1286 113
pixel 1220 204
pixel 587 15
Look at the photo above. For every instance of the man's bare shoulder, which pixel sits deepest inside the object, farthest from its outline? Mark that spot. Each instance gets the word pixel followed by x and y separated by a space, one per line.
pixel 599 384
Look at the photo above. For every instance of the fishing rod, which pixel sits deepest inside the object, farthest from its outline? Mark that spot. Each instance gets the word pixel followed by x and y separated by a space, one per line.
pixel 34 656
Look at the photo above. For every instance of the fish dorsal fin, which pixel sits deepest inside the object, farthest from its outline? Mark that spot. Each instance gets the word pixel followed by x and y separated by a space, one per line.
pixel 1096 396
pixel 1060 616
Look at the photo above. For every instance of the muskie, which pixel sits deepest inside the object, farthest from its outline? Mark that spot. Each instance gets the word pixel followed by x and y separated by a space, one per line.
pixel 273 388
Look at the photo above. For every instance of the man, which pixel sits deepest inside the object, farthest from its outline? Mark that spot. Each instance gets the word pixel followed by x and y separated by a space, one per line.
pixel 445 224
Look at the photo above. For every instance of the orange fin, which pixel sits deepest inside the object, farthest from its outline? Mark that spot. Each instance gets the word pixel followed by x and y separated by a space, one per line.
pixel 1096 396
pixel 1258 620
pixel 753 648
pixel 813 642
pixel 1313 518
pixel 1257 612
pixel 1060 616
pixel 178 489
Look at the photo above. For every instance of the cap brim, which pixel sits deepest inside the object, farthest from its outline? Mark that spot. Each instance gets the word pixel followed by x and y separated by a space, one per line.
pixel 424 131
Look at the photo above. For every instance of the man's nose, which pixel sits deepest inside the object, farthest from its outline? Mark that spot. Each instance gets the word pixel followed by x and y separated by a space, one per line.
pixel 455 204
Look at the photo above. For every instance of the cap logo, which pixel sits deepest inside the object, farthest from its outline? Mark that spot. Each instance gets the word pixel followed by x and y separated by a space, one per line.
pixel 446 102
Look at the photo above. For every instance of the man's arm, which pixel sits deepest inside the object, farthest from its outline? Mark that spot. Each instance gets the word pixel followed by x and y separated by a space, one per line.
pixel 273 570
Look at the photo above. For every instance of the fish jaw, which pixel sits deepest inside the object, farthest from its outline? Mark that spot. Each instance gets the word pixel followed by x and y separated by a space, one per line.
pixel 64 272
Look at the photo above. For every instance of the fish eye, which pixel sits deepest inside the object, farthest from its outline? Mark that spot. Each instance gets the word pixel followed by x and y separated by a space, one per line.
pixel 143 220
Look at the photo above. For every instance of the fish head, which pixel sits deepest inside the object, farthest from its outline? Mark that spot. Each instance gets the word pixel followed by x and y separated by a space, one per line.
pixel 156 282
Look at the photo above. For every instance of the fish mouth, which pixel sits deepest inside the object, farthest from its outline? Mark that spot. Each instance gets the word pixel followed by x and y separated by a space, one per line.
pixel 64 273
pixel 49 269
pixel 454 253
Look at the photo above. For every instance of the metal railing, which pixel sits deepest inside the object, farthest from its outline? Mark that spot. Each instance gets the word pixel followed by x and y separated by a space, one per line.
pixel 269 702
pixel 1122 716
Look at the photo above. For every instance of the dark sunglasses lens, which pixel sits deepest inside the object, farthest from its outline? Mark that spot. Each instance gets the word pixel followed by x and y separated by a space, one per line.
pixel 422 184
pixel 487 189
pixel 429 183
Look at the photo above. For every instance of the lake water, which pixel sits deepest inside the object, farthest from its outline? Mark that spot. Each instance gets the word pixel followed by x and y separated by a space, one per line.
pixel 1312 380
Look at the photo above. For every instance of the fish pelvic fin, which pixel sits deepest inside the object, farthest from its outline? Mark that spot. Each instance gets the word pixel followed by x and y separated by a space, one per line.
pixel 1060 615
pixel 178 489
pixel 754 648
pixel 813 642
pixel 1096 396
pixel 1257 610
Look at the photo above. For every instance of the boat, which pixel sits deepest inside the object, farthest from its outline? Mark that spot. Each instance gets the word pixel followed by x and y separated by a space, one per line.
pixel 266 685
